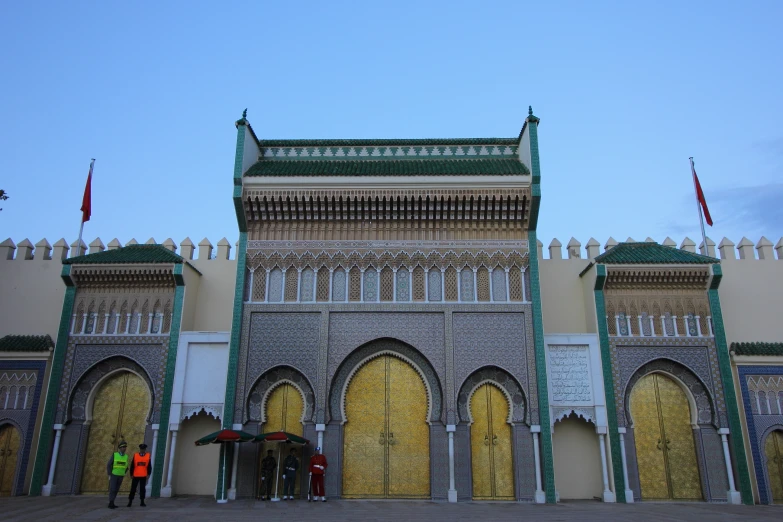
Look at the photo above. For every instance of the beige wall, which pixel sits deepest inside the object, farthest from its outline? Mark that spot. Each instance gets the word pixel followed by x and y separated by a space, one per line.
pixel 31 296
pixel 216 294
pixel 577 459
pixel 562 298
pixel 751 298
pixel 196 467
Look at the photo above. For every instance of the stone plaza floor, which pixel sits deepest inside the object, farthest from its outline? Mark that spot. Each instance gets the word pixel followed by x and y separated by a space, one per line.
pixel 186 509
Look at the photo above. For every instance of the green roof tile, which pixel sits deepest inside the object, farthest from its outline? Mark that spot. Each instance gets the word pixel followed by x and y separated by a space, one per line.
pixel 650 254
pixel 388 142
pixel 127 255
pixel 402 167
pixel 757 348
pixel 26 343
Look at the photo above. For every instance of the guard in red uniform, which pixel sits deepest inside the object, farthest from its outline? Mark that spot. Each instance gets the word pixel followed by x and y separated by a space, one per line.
pixel 318 467
pixel 141 468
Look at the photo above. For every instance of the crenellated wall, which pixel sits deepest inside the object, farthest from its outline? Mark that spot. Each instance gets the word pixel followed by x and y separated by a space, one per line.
pixel 751 291
pixel 32 291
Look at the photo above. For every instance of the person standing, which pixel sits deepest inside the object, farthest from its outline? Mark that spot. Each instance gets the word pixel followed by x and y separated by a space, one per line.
pixel 268 466
pixel 116 468
pixel 318 467
pixel 290 465
pixel 141 468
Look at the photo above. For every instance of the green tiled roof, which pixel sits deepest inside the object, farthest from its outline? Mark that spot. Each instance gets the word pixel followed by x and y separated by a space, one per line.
pixel 126 255
pixel 650 254
pixel 402 167
pixel 757 348
pixel 26 343
pixel 389 143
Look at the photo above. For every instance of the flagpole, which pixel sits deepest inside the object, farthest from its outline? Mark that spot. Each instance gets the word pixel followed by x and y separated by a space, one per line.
pixel 698 206
pixel 81 227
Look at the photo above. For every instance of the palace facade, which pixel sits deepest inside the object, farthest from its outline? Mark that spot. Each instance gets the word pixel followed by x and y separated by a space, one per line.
pixel 389 301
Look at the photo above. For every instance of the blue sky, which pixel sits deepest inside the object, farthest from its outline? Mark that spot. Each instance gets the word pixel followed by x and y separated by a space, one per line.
pixel 626 92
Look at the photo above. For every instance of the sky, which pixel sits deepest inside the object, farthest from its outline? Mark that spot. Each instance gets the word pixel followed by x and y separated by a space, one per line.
pixel 626 93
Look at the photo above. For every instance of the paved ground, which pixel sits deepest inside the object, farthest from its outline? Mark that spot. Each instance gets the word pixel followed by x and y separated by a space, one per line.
pixel 202 508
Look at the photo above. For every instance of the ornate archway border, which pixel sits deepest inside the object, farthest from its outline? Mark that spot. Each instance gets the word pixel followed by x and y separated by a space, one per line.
pixel 518 412
pixel 377 348
pixel 85 386
pixel 255 408
pixel 699 393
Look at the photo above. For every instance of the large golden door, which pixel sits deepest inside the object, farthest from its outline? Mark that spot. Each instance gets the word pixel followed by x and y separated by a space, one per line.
pixel 386 438
pixel 119 413
pixel 284 410
pixel 490 445
pixel 773 449
pixel 10 442
pixel 665 449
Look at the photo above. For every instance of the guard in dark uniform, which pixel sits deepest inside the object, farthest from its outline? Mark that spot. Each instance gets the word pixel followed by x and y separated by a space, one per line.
pixel 268 466
pixel 290 465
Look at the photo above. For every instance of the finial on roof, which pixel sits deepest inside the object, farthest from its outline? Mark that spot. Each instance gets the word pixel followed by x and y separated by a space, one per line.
pixel 529 110
pixel 244 114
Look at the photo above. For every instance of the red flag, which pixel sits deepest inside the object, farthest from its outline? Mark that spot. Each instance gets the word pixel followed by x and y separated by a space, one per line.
pixel 87 199
pixel 700 197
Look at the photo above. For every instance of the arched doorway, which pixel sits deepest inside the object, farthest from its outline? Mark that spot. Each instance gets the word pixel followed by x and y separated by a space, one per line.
pixel 196 467
pixel 119 412
pixel 492 463
pixel 577 456
pixel 284 410
pixel 773 450
pixel 665 449
pixel 386 438
pixel 10 443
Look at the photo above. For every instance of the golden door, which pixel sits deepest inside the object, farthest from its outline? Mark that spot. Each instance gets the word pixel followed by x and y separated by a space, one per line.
pixel 284 410
pixel 386 438
pixel 490 445
pixel 10 442
pixel 665 450
pixel 773 449
pixel 119 413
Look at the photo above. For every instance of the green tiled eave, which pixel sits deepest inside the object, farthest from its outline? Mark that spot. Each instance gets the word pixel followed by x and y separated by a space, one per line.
pixel 389 167
pixel 650 254
pixel 127 255
pixel 388 142
pixel 26 343
pixel 759 349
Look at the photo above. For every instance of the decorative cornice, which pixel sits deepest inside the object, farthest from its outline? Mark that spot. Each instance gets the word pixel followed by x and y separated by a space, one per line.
pixel 657 278
pixel 114 276
pixel 433 149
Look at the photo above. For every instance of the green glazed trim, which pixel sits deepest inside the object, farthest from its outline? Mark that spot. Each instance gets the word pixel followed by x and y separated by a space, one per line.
pixel 737 442
pixel 55 379
pixel 606 366
pixel 233 355
pixel 168 386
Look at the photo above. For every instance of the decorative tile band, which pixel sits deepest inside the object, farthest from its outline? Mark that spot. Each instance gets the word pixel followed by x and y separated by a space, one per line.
pixel 364 153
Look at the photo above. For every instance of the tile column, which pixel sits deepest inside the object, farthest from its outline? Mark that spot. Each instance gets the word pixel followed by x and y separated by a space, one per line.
pixel 232 492
pixel 608 496
pixel 48 488
pixel 166 490
pixel 733 495
pixel 628 491
pixel 155 429
pixel 450 429
pixel 540 495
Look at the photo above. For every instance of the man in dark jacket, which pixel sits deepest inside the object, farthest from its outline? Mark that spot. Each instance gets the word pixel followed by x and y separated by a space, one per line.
pixel 290 465
pixel 268 466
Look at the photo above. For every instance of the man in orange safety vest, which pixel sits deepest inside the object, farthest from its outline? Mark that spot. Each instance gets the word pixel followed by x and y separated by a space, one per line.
pixel 141 468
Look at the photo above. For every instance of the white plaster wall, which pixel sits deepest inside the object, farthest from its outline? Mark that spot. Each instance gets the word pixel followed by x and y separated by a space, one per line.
pixel 577 460
pixel 196 467
pixel 524 148
pixel 251 152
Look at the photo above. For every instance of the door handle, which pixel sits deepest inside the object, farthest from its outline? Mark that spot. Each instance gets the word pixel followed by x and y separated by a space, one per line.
pixel 382 439
pixel 392 442
pixel 494 440
pixel 486 440
pixel 659 445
